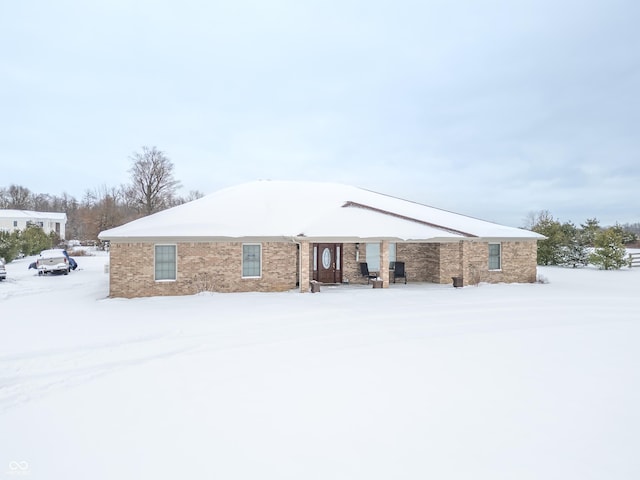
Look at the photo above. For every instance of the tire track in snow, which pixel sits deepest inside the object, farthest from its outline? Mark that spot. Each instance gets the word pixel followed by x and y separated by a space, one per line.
pixel 32 376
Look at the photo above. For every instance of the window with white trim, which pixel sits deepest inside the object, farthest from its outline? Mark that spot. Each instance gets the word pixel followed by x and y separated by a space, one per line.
pixel 392 252
pixel 165 262
pixel 373 256
pixel 495 262
pixel 251 260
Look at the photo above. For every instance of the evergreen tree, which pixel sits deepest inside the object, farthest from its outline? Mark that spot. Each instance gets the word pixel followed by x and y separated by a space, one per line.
pixel 610 253
pixel 549 249
pixel 589 231
pixel 627 235
pixel 633 229
pixel 9 245
pixel 573 252
pixel 33 240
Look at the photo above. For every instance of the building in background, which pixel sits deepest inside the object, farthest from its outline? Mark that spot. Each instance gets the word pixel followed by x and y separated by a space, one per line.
pixel 11 220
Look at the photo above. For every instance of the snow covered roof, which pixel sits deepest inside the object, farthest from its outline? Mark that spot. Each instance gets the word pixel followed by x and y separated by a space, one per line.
pixel 31 215
pixel 315 210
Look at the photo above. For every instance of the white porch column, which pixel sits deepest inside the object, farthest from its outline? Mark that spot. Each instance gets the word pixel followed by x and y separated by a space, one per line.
pixel 304 267
pixel 384 263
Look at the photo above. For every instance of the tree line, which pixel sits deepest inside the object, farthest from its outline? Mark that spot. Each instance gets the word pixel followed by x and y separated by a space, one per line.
pixel 152 188
pixel 575 246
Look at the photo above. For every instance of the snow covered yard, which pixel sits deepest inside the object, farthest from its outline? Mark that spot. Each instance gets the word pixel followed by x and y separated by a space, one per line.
pixel 412 382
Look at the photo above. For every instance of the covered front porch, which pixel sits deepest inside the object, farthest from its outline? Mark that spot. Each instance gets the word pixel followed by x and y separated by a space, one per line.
pixel 342 263
pixel 437 261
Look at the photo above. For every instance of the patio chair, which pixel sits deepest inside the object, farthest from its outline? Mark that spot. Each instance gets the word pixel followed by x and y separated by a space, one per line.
pixel 364 271
pixel 398 272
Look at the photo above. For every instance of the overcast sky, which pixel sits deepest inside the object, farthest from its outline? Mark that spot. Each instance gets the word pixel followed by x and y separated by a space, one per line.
pixel 489 108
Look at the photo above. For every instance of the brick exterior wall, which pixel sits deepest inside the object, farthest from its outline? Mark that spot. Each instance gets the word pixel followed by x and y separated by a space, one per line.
pixel 351 264
pixel 438 263
pixel 518 263
pixel 351 259
pixel 215 267
pixel 422 262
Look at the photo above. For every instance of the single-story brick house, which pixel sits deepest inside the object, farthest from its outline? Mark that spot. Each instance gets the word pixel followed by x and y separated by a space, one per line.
pixel 273 236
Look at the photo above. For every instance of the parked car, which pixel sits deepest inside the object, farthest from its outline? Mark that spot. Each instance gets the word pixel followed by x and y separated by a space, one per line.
pixel 3 270
pixel 53 261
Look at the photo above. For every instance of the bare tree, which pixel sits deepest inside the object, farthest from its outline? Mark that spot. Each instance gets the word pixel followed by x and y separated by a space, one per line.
pixel 68 204
pixel 193 195
pixel 42 202
pixel 18 198
pixel 101 209
pixel 108 209
pixel 153 187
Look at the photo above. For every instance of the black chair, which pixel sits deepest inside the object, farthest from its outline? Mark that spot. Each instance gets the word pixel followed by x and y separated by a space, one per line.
pixel 364 271
pixel 398 271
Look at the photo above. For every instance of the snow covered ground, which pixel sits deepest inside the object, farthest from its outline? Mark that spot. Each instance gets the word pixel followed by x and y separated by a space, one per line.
pixel 412 382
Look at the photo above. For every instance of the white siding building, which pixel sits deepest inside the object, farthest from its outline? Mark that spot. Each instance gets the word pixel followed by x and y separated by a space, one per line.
pixel 11 220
